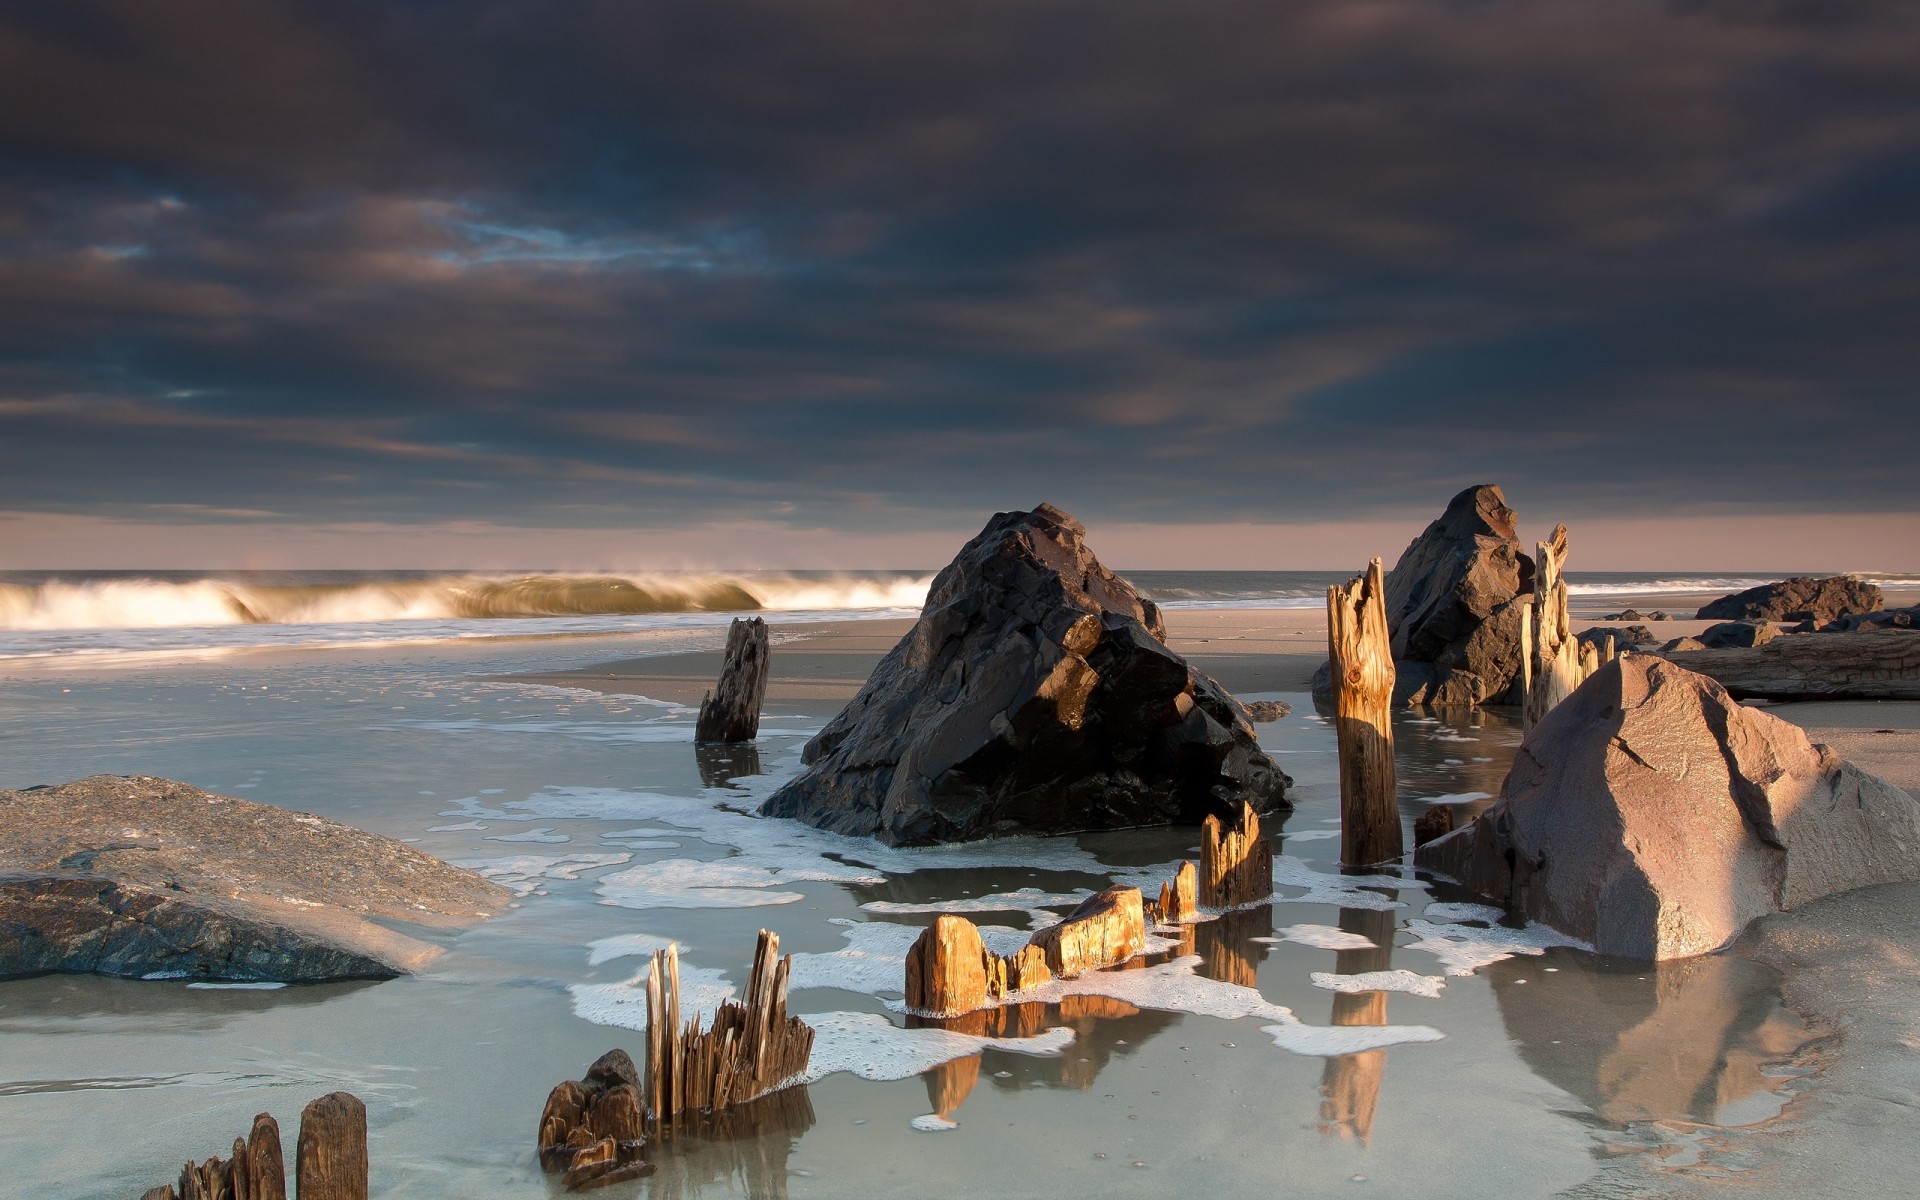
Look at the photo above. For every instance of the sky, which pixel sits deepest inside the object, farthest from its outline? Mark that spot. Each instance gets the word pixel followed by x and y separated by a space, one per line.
pixel 756 283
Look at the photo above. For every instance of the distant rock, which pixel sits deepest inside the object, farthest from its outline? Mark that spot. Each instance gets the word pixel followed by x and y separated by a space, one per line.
pixel 1652 815
pixel 1623 639
pixel 1681 645
pixel 1657 615
pixel 148 878
pixel 1261 712
pixel 1452 606
pixel 1035 693
pixel 1628 615
pixel 1737 633
pixel 1798 599
pixel 1870 664
pixel 1891 618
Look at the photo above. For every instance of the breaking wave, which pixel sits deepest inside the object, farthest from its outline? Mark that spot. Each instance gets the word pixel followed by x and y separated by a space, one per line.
pixel 152 603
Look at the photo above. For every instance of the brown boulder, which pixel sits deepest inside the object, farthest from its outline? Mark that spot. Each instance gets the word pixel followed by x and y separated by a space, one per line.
pixel 1654 816
pixel 1798 599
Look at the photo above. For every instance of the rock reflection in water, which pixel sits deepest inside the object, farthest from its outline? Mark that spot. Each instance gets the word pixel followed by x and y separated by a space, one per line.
pixel 720 765
pixel 749 1144
pixel 1350 1083
pixel 1684 1040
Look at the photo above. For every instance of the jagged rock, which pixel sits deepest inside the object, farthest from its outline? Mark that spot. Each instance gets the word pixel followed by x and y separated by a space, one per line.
pixel 1623 639
pixel 1454 606
pixel 1872 664
pixel 144 877
pixel 1657 615
pixel 1107 927
pixel 1681 645
pixel 1737 633
pixel 1652 815
pixel 1796 599
pixel 1036 692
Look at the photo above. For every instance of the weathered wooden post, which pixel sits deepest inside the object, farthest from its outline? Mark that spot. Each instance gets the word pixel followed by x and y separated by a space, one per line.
pixel 1179 900
pixel 1553 654
pixel 1236 862
pixel 331 1161
pixel 266 1170
pixel 731 712
pixel 1361 657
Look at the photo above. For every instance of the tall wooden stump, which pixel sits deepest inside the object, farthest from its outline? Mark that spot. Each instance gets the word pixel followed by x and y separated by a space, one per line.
pixel 266 1172
pixel 1236 862
pixel 1361 657
pixel 1556 661
pixel 331 1162
pixel 750 1049
pixel 731 712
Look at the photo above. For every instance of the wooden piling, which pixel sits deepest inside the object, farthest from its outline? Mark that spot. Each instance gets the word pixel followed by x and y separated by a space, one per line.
pixel 1107 927
pixel 1361 656
pixel 331 1160
pixel 254 1172
pixel 1556 661
pixel 1236 862
pixel 1179 899
pixel 750 1049
pixel 731 712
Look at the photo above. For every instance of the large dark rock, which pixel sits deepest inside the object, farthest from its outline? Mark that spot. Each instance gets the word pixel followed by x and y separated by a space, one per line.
pixel 1799 599
pixel 1452 606
pixel 148 878
pixel 1035 693
pixel 1653 815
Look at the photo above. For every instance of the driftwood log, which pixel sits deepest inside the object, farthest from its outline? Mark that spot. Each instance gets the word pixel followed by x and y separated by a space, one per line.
pixel 1881 664
pixel 1236 861
pixel 1360 652
pixel 1107 927
pixel 731 712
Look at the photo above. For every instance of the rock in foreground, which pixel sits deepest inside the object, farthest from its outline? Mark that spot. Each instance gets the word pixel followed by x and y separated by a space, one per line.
pixel 1800 599
pixel 1035 693
pixel 144 877
pixel 1652 815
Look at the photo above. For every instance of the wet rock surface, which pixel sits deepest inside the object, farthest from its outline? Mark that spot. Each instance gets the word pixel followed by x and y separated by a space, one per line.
pixel 1454 606
pixel 1035 693
pixel 1652 815
pixel 145 877
pixel 1798 599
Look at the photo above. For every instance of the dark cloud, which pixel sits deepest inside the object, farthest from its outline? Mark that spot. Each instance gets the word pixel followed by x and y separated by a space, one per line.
pixel 860 263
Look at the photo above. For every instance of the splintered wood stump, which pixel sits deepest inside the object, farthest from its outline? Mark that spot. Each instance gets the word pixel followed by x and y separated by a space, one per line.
pixel 331 1160
pixel 749 1050
pixel 1554 663
pixel 1361 654
pixel 1108 927
pixel 731 712
pixel 266 1170
pixel 255 1171
pixel 947 969
pixel 1236 862
pixel 1180 899
pixel 950 971
pixel 1432 825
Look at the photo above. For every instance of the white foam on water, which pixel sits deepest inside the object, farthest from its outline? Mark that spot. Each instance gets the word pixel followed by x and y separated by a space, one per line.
pixel 624 1005
pixel 1020 900
pixel 1455 798
pixel 523 872
pixel 626 945
pixel 236 987
pixel 872 1047
pixel 933 1123
pixel 728 883
pixel 1330 1041
pixel 1321 937
pixel 1340 891
pixel 874 962
pixel 1381 981
pixel 1446 911
pixel 1462 950
pixel 1309 835
pixel 546 835
pixel 456 828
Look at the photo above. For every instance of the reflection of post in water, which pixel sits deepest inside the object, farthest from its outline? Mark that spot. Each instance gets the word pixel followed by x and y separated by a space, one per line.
pixel 1350 1083
pixel 1100 1025
pixel 1225 946
pixel 720 765
pixel 750 1143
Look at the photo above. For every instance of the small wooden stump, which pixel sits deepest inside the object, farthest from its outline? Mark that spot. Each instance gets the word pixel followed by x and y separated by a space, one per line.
pixel 1361 655
pixel 1027 969
pixel 1180 899
pixel 331 1161
pixel 749 1050
pixel 1107 927
pixel 1236 863
pixel 731 712
pixel 947 969
pixel 1432 825
pixel 255 1172
pixel 266 1170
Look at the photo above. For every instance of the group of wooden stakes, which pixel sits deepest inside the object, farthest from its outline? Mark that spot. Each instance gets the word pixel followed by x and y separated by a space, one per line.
pixel 595 1131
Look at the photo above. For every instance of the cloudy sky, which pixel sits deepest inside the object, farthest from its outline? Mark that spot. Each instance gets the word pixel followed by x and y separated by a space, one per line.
pixel 757 282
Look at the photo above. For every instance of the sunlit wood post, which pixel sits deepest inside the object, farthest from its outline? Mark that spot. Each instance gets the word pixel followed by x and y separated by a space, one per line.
pixel 1555 665
pixel 1361 659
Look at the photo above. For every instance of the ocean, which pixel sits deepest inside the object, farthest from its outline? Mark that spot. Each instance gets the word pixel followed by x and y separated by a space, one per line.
pixel 1499 1062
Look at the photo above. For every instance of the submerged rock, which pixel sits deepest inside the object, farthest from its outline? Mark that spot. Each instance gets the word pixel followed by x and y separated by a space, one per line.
pixel 1035 693
pixel 144 877
pixel 1652 815
pixel 1798 599
pixel 1454 606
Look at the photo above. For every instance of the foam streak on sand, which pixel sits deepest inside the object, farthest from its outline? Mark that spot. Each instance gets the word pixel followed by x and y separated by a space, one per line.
pixel 1381 981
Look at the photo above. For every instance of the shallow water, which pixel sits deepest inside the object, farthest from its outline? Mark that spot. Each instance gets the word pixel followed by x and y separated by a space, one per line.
pixel 1220 1063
